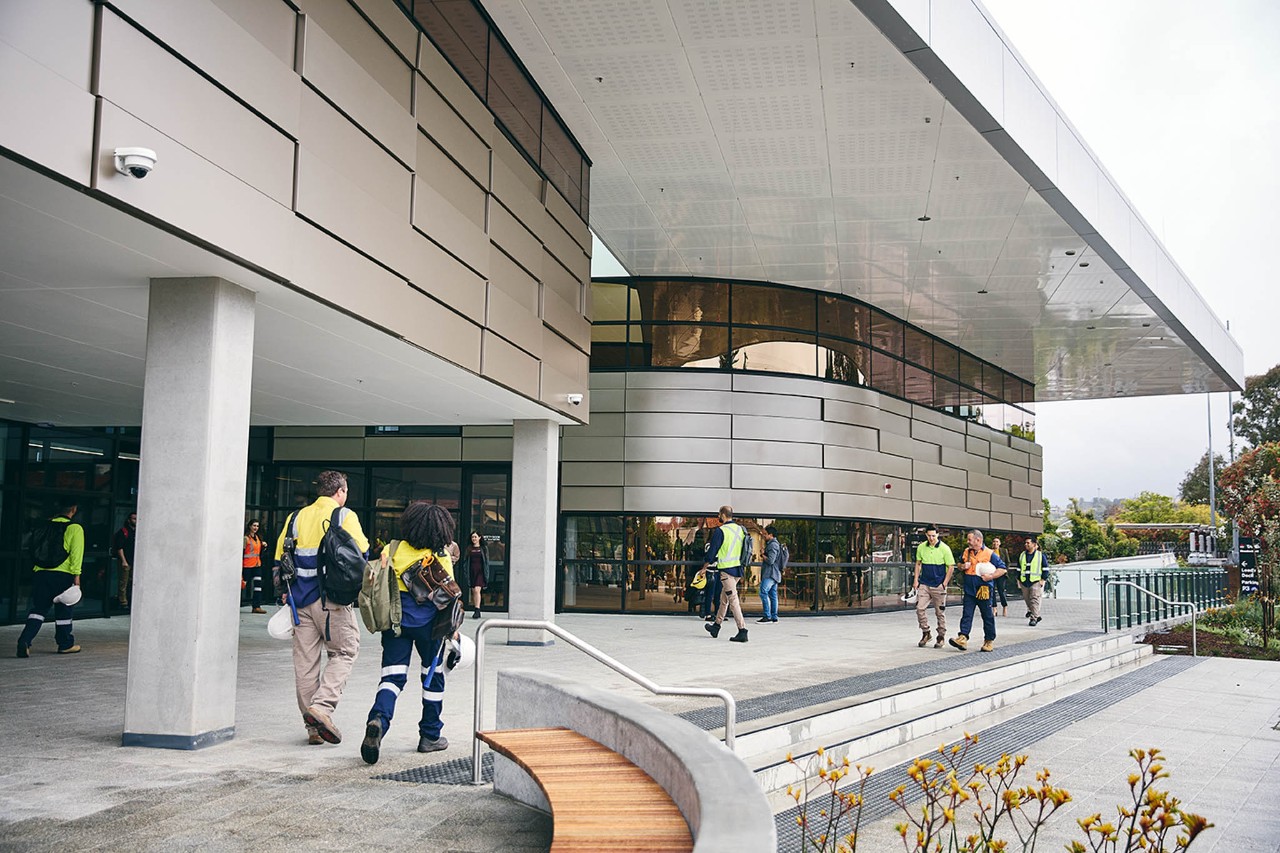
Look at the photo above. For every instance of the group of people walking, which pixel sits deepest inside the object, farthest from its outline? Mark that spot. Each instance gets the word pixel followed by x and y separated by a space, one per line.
pixel 984 571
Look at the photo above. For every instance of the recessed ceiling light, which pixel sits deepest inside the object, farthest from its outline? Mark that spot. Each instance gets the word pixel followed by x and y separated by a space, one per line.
pixel 1106 364
pixel 1091 328
pixel 924 218
pixel 1146 325
pixel 1084 264
pixel 1071 251
pixel 983 290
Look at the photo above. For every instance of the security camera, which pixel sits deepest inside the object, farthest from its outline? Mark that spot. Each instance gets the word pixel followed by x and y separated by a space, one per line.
pixel 575 399
pixel 135 162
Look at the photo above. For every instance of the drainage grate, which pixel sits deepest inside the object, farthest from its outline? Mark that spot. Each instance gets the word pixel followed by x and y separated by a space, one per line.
pixel 1011 736
pixel 860 685
pixel 456 771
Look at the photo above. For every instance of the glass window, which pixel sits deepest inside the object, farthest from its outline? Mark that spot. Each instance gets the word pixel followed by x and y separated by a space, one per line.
pixel 763 305
pixel 946 360
pixel 609 302
pixel 886 373
pixel 684 301
pixel 993 381
pixel 918 385
pixel 774 350
pixel 681 345
pixel 842 361
pixel 918 347
pixel 560 160
pixel 946 394
pixel 512 97
pixel 886 333
pixel 843 318
pixel 461 33
pixel 970 371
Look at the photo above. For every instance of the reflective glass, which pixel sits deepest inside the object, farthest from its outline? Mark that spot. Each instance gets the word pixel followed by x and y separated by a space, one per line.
pixel 886 373
pixel 918 348
pixel 513 99
pixel 918 385
pixel 842 361
pixel 682 345
pixel 763 305
pixel 774 350
pixel 970 371
pixel 886 332
pixel 462 35
pixel 946 360
pixel 609 301
pixel 843 318
pixel 685 301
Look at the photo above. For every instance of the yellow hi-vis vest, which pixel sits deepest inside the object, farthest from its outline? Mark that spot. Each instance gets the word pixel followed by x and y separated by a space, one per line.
pixel 1037 563
pixel 730 554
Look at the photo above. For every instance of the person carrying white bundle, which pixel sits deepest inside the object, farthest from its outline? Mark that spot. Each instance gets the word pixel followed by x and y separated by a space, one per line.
pixel 981 567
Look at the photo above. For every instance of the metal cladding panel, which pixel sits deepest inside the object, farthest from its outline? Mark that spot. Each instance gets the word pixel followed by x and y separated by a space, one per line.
pixel 870 461
pixel 677 474
pixel 939 474
pixel 678 449
pixel 48 119
pixel 951 515
pixel 777 453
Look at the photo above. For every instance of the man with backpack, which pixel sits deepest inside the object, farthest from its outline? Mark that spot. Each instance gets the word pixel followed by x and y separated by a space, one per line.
pixel 775 560
pixel 325 623
pixel 57 549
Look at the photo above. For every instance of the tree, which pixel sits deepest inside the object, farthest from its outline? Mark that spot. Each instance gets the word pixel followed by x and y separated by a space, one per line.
pixel 1154 508
pixel 1093 540
pixel 1195 486
pixel 1251 495
pixel 1257 414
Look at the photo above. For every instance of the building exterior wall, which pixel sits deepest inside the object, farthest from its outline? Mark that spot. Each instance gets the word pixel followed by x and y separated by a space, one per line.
pixel 686 442
pixel 332 148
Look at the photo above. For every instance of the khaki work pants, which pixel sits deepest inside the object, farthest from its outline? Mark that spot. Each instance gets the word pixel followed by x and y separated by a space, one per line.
pixel 1032 594
pixel 729 600
pixel 935 597
pixel 323 689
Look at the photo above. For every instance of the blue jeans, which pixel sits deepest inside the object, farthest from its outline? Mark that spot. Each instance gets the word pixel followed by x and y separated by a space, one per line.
pixel 988 616
pixel 769 597
pixel 396 653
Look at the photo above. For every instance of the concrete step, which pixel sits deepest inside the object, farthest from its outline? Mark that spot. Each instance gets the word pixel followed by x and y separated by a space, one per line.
pixel 914 714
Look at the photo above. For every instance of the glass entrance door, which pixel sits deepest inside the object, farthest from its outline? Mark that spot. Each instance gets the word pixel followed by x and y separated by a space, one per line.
pixel 489 501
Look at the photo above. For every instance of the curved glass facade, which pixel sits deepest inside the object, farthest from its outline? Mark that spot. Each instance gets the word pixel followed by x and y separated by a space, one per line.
pixel 712 324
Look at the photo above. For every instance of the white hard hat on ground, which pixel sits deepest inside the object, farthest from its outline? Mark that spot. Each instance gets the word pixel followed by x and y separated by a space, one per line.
pixel 70 596
pixel 280 625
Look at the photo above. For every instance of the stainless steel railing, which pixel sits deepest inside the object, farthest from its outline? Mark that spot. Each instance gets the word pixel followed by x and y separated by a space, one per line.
pixel 1109 581
pixel 730 706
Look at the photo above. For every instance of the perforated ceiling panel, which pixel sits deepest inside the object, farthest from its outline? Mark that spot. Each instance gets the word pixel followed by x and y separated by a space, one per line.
pixel 790 140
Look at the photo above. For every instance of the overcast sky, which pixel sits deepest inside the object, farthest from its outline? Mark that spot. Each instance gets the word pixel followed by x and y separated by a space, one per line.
pixel 1180 100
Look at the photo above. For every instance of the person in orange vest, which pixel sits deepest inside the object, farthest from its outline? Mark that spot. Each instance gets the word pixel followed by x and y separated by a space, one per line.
pixel 978 592
pixel 251 565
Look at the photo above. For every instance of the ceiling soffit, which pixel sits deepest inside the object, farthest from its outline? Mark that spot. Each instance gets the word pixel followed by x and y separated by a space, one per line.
pixel 793 142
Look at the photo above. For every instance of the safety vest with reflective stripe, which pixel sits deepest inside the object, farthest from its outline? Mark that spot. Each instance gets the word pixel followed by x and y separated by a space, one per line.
pixel 1037 564
pixel 730 554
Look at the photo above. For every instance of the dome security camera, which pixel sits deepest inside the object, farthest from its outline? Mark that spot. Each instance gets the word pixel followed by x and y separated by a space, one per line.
pixel 135 162
pixel 575 399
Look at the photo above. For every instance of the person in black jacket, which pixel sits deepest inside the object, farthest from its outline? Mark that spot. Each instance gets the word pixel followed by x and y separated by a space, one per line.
pixel 476 564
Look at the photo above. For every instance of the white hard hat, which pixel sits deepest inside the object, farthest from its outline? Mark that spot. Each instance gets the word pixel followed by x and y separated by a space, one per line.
pixel 985 570
pixel 70 596
pixel 460 654
pixel 909 598
pixel 280 625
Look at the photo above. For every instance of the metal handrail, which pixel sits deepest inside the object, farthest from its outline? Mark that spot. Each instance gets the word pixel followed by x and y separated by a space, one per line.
pixel 1106 616
pixel 730 706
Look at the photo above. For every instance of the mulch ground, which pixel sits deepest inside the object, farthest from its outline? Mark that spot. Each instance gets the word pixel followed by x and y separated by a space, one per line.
pixel 1209 644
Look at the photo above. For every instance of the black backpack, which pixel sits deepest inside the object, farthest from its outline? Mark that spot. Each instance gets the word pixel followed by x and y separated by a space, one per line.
pixel 47 550
pixel 340 561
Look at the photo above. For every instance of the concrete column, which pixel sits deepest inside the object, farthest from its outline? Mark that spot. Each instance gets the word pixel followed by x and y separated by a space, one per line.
pixel 183 641
pixel 535 482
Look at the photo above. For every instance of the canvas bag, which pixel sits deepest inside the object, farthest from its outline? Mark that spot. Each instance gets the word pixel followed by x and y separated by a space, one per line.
pixel 379 598
pixel 427 581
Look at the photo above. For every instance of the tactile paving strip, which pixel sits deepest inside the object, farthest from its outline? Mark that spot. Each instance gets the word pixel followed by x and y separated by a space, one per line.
pixel 456 771
pixel 861 685
pixel 1011 736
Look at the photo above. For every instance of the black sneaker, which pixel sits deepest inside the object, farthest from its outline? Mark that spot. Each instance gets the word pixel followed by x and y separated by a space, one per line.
pixel 426 744
pixel 764 619
pixel 713 629
pixel 372 742
pixel 740 637
pixel 774 619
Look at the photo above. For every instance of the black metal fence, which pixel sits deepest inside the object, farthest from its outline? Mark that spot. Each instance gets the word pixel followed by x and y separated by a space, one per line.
pixel 1124 607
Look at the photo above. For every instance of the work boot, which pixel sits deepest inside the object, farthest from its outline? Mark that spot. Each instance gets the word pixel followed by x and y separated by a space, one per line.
pixel 924 641
pixel 988 646
pixel 713 628
pixel 323 724
pixel 24 650
pixel 372 742
pixel 740 637
pixel 257 610
pixel 313 737
pixel 1036 621
pixel 426 744
pixel 69 650
pixel 942 638
pixel 960 641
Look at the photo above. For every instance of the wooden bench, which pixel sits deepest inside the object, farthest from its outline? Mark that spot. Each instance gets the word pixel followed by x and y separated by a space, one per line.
pixel 599 800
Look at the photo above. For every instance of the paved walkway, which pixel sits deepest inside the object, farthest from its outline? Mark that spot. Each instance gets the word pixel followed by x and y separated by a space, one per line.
pixel 68 784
